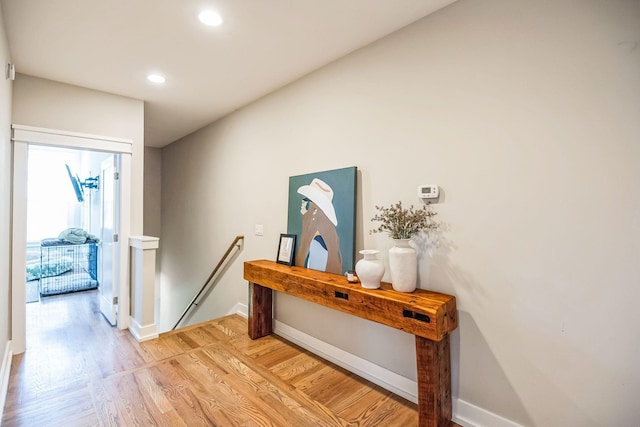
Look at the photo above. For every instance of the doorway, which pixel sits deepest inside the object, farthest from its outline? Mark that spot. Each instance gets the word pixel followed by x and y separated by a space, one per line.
pixel 71 199
pixel 23 138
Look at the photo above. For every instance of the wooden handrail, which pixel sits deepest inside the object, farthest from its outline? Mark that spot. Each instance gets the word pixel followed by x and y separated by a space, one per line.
pixel 213 273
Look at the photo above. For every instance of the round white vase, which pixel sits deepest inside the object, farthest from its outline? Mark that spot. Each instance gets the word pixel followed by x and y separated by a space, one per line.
pixel 403 266
pixel 370 269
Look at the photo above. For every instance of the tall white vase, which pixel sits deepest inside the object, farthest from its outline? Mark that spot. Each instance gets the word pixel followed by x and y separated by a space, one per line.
pixel 403 266
pixel 370 269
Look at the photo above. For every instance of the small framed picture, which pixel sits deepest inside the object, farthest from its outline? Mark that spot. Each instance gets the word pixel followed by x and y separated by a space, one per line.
pixel 286 249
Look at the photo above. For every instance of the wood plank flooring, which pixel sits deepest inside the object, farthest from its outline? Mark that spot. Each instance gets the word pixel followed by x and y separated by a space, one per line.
pixel 79 371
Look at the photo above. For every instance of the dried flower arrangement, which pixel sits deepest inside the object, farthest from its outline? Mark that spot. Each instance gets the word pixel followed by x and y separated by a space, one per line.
pixel 403 223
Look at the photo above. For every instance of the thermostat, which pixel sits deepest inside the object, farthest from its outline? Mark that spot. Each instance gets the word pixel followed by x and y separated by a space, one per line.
pixel 428 192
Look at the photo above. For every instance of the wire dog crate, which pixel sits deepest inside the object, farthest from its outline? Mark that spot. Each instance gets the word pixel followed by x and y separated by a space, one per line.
pixel 68 268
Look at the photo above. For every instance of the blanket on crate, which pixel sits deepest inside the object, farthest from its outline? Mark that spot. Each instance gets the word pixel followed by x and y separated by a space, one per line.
pixel 76 236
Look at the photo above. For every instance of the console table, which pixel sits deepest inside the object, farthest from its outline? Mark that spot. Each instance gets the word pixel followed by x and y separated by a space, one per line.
pixel 430 316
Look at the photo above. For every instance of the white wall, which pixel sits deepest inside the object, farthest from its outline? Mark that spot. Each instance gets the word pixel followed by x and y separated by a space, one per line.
pixel 48 104
pixel 527 116
pixel 92 167
pixel 5 191
pixel 152 191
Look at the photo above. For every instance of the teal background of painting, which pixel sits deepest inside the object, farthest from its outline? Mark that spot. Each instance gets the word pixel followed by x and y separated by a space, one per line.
pixel 343 183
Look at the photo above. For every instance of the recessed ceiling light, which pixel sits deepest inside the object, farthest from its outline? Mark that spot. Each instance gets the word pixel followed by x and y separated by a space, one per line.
pixel 211 18
pixel 156 78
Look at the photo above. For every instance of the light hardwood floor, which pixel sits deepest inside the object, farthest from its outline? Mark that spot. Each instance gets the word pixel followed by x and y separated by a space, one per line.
pixel 78 371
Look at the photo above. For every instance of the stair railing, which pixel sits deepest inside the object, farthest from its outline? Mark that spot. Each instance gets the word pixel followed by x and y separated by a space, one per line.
pixel 193 302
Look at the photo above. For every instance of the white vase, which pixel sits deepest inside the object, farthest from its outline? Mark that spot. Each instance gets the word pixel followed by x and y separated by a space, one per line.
pixel 370 269
pixel 403 266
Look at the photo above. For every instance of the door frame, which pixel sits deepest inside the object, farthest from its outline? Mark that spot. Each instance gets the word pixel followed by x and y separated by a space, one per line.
pixel 23 137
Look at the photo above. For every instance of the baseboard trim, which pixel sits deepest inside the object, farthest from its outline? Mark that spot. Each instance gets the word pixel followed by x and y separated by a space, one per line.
pixel 470 415
pixel 464 413
pixel 240 309
pixel 5 371
pixel 142 333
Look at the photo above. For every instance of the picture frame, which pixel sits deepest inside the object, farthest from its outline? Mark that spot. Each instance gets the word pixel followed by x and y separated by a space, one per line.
pixel 286 249
pixel 322 214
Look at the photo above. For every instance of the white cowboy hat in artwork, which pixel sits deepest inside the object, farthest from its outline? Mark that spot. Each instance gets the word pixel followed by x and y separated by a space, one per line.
pixel 321 194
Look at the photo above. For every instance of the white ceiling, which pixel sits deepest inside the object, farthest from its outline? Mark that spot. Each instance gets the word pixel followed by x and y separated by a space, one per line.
pixel 111 45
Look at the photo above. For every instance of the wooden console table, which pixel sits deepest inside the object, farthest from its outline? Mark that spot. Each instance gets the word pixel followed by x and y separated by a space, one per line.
pixel 430 316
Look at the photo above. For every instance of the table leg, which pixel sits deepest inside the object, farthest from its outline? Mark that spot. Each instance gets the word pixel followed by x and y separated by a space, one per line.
pixel 260 311
pixel 434 382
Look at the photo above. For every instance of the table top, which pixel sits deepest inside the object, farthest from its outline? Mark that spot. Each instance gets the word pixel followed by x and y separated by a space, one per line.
pixel 424 313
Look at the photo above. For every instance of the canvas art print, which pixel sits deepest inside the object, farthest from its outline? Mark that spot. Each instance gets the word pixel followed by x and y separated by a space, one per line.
pixel 322 214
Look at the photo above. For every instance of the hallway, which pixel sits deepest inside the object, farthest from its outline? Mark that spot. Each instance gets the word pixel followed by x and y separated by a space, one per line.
pixel 79 371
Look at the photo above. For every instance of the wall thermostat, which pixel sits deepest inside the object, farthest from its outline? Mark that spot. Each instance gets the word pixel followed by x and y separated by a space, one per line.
pixel 428 192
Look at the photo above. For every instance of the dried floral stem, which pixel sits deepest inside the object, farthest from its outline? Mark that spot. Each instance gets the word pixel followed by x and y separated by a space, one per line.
pixel 402 223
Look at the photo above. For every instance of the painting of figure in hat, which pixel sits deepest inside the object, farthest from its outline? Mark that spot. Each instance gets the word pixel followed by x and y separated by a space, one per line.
pixel 322 215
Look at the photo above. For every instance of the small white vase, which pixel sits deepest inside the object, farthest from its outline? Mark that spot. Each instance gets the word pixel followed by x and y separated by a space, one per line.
pixel 370 269
pixel 403 266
